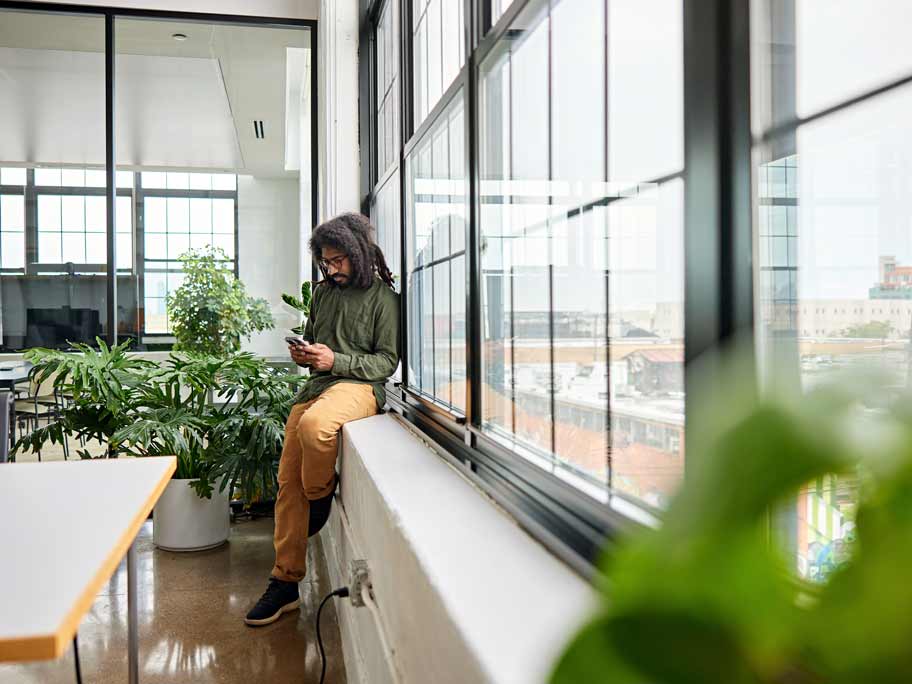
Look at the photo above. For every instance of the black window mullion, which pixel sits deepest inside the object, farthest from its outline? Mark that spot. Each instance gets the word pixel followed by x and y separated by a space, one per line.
pixel 110 180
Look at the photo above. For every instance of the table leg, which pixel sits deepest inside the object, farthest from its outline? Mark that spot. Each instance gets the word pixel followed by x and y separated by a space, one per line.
pixel 132 617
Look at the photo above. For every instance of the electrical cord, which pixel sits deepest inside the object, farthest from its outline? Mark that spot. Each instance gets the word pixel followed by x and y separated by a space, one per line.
pixel 342 593
pixel 76 654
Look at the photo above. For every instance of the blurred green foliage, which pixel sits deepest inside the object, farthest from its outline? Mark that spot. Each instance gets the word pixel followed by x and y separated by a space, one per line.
pixel 709 597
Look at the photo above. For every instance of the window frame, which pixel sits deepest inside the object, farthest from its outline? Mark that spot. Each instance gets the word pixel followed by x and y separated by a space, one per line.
pixel 718 225
pixel 110 16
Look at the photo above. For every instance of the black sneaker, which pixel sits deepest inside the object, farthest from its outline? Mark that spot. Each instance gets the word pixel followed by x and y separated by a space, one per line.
pixel 279 597
pixel 319 510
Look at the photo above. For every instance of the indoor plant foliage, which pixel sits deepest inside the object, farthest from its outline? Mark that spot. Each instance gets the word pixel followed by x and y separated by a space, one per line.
pixel 708 598
pixel 144 409
pixel 302 305
pixel 210 312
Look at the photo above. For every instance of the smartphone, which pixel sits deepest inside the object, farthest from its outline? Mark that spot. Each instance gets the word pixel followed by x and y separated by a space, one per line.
pixel 297 341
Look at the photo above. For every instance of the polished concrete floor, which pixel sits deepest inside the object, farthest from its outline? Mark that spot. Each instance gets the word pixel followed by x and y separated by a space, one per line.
pixel 191 611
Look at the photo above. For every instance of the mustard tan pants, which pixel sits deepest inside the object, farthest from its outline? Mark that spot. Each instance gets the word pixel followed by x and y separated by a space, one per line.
pixel 307 467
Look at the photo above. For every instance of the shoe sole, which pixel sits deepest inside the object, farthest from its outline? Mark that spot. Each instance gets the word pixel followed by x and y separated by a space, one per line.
pixel 287 608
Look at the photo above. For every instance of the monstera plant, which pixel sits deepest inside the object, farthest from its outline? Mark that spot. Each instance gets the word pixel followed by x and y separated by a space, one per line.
pixel 140 408
pixel 708 597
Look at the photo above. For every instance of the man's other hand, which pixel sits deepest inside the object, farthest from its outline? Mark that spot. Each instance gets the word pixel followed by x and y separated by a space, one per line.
pixel 319 356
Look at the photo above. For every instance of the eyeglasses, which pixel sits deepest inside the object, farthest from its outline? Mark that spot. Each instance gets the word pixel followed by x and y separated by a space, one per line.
pixel 335 262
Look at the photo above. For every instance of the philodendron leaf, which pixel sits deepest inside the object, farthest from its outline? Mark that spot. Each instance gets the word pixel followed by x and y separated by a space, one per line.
pixel 590 658
pixel 292 301
pixel 679 648
pixel 760 461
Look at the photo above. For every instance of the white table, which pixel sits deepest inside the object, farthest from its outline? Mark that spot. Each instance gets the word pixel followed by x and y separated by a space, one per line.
pixel 67 525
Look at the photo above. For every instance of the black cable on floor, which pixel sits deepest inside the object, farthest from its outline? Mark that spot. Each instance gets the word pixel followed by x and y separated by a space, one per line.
pixel 76 653
pixel 343 592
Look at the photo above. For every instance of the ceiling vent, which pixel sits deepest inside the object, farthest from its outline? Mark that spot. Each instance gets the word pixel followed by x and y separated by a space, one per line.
pixel 258 130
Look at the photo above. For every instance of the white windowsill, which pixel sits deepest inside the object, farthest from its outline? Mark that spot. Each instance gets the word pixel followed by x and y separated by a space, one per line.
pixel 465 594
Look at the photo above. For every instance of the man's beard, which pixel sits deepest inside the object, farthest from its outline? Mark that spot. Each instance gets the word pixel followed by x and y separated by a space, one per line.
pixel 339 281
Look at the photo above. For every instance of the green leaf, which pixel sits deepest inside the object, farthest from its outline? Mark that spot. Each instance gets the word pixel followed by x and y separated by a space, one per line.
pixel 591 658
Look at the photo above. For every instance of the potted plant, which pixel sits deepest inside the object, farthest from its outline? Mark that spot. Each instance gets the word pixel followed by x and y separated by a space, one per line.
pixel 210 312
pixel 707 597
pixel 221 447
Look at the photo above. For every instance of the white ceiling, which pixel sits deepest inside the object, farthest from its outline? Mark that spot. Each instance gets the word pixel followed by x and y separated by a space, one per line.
pixel 188 104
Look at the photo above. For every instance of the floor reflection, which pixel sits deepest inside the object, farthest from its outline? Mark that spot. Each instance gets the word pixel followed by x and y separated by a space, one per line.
pixel 191 613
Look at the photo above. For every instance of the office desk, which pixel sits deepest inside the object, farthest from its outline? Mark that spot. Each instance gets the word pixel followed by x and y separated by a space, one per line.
pixel 66 527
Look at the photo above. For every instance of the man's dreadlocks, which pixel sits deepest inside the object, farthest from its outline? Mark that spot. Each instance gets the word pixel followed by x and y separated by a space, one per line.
pixel 354 235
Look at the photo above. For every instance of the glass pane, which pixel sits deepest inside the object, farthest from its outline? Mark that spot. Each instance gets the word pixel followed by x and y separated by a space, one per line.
pixel 154 179
pixel 49 212
pixel 156 246
pixel 224 181
pixel 646 125
pixel 12 176
pixel 96 214
pixel 829 59
pixel 225 242
pixel 124 219
pixel 156 284
pixel 201 216
pixel 12 250
pixel 200 181
pixel 49 251
pixel 178 215
pixel 834 284
pixel 180 133
pixel 72 178
pixel 12 213
pixel 442 327
pixel 155 215
pixel 124 250
pixel 74 248
pixel 72 213
pixel 178 244
pixel 200 240
pixel 437 203
pixel 96 248
pixel 555 232
pixel 178 181
pixel 48 177
pixel 156 320
pixel 223 216
pixel 95 178
pixel 434 53
pixel 124 179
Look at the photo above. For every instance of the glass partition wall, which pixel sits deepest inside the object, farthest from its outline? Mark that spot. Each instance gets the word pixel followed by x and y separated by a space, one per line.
pixel 211 130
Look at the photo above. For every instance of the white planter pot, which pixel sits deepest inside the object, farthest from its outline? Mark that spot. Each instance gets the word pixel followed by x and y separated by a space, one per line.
pixel 182 521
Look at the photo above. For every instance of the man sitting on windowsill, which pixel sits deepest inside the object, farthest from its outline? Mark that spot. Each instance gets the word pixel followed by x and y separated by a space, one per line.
pixel 353 332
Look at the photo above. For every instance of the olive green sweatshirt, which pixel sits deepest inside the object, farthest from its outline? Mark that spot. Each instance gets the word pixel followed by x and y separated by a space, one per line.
pixel 362 329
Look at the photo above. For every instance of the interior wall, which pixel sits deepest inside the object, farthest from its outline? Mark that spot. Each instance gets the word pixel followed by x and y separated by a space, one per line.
pixel 269 253
pixel 286 9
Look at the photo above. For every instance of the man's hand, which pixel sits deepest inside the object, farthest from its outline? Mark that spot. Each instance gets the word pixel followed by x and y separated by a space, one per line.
pixel 319 357
pixel 299 354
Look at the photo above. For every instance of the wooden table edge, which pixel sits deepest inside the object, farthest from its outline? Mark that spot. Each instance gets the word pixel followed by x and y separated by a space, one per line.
pixel 52 646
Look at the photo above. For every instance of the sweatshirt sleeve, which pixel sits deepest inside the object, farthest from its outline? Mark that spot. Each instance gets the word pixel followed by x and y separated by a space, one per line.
pixel 381 364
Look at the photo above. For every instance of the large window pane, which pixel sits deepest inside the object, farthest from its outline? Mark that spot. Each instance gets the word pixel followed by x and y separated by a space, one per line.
pixel 579 254
pixel 439 51
pixel 387 46
pixel 218 128
pixel 833 250
pixel 52 155
pixel 437 210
